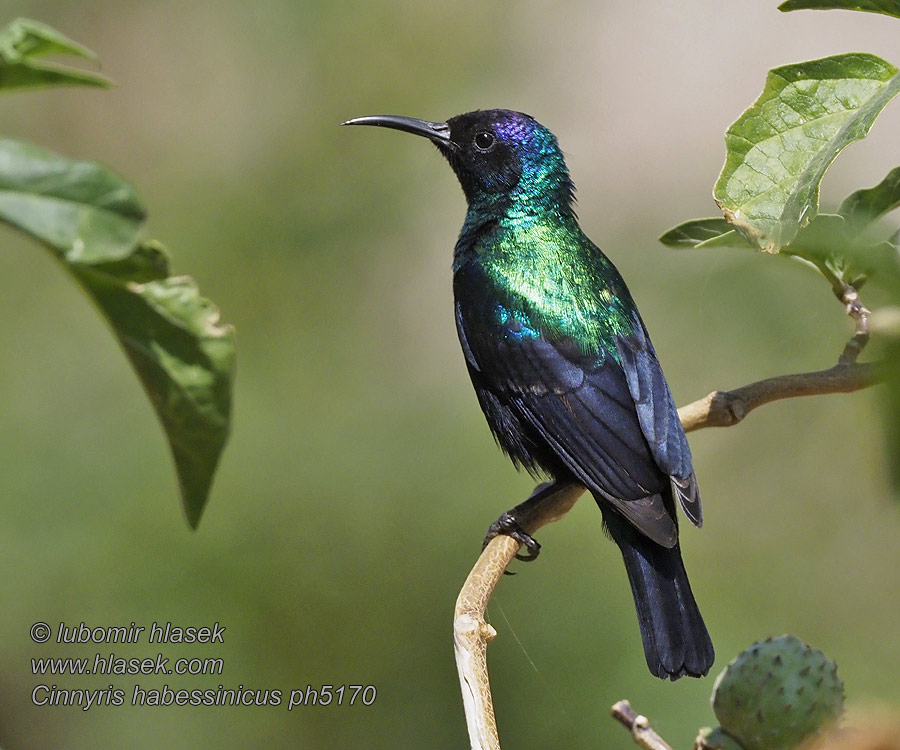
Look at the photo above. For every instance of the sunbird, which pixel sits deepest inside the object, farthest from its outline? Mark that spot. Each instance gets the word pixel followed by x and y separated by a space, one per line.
pixel 563 366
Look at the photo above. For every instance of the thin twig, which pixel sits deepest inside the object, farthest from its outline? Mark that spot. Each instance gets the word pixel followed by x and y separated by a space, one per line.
pixel 727 408
pixel 639 726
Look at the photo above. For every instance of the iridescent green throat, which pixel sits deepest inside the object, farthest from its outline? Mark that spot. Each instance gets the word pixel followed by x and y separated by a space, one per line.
pixel 543 269
pixel 550 274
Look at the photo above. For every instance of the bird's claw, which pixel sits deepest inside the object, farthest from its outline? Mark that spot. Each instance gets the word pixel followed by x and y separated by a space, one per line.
pixel 508 525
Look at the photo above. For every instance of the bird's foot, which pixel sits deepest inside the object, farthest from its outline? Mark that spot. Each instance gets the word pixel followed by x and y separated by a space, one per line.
pixel 508 525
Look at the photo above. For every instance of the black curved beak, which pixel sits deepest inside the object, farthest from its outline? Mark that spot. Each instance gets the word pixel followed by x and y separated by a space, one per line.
pixel 438 132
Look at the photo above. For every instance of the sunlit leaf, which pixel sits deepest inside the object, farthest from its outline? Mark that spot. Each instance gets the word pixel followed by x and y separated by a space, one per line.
pixel 182 354
pixel 779 149
pixel 887 7
pixel 22 45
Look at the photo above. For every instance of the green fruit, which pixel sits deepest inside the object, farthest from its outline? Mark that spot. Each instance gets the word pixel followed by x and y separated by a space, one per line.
pixel 777 693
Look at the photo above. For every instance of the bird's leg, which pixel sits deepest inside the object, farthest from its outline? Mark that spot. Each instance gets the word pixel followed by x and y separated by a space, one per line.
pixel 514 522
pixel 508 525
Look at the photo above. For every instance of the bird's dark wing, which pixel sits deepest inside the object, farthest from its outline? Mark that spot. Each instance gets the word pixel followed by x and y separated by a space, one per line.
pixel 658 416
pixel 581 406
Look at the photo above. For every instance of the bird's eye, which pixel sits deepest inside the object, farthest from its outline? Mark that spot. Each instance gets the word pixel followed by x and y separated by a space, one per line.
pixel 484 141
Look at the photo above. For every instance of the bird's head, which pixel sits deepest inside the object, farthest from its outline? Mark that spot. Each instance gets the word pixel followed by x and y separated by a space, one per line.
pixel 501 157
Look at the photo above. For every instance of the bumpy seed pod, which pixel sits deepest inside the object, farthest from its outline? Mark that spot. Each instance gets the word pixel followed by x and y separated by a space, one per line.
pixel 777 693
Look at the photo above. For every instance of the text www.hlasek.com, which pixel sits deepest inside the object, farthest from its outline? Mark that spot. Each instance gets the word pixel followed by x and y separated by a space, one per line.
pixel 113 664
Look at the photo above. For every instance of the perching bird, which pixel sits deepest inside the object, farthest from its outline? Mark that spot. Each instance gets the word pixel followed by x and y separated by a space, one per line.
pixel 563 366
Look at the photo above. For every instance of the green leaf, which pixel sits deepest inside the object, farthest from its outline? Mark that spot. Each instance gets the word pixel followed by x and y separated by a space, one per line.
pixel 869 260
pixel 864 206
pixel 887 7
pixel 183 355
pixel 26 38
pixel 779 149
pixel 823 242
pixel 701 233
pixel 78 207
pixel 834 244
pixel 23 42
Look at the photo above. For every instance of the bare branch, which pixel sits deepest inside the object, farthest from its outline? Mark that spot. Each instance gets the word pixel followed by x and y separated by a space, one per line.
pixel 639 726
pixel 471 633
pixel 726 408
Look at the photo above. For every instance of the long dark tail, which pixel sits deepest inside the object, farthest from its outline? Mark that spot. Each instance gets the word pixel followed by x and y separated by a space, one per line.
pixel 676 642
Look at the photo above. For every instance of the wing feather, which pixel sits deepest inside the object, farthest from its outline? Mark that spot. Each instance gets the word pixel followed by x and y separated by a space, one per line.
pixel 659 419
pixel 607 416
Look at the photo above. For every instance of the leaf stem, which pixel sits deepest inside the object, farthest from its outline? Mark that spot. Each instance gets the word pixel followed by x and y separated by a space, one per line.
pixel 849 298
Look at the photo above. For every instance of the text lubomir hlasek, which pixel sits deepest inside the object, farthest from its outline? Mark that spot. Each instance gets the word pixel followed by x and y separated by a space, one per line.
pixel 158 633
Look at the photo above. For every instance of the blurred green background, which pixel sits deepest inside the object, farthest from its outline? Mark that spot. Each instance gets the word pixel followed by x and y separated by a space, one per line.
pixel 361 476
